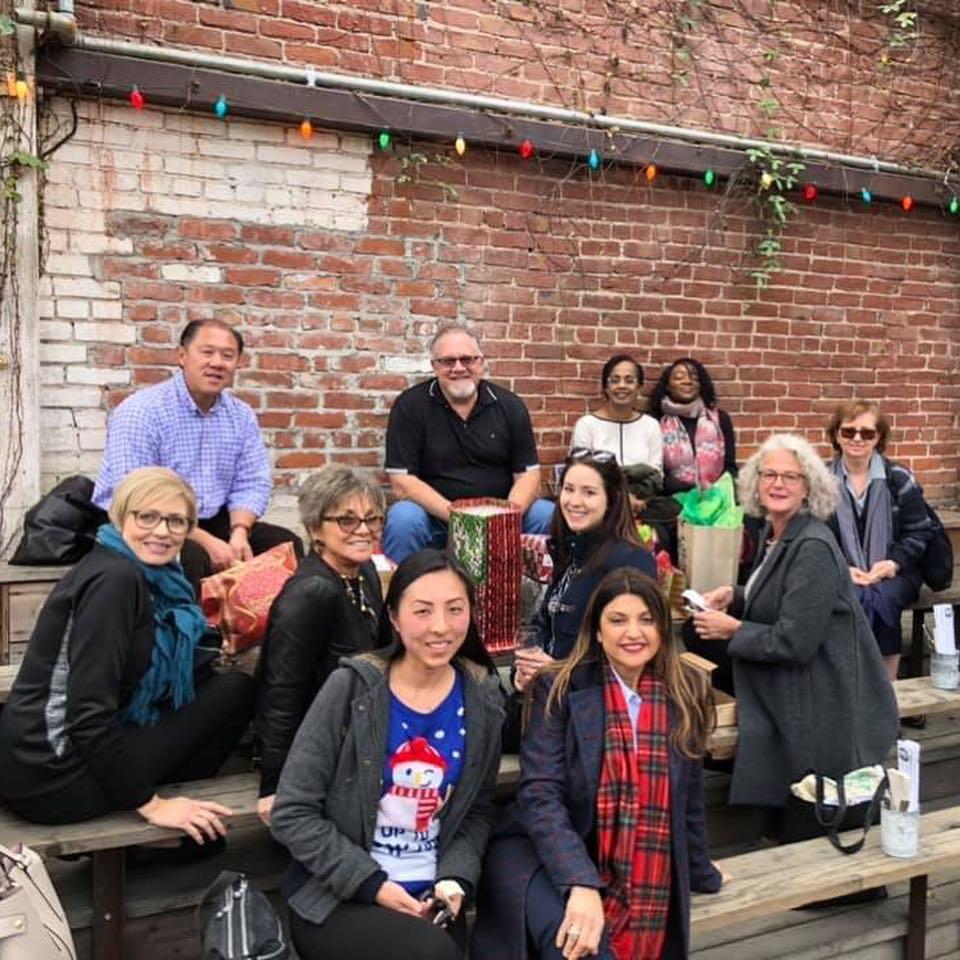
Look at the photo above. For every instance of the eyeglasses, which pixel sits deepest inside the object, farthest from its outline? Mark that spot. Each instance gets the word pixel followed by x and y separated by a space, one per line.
pixel 448 363
pixel 850 433
pixel 788 478
pixel 176 523
pixel 585 453
pixel 350 522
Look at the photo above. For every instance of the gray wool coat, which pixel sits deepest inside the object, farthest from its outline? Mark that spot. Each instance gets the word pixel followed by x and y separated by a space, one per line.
pixel 812 692
pixel 326 807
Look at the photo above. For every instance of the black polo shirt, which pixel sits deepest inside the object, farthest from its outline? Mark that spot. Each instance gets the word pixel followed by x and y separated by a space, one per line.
pixel 477 457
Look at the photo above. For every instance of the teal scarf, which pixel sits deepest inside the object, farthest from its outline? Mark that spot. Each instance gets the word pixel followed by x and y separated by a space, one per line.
pixel 179 625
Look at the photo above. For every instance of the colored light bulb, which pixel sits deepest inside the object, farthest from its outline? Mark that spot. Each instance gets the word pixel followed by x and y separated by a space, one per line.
pixel 306 129
pixel 907 203
pixel 766 180
pixel 866 196
pixel 460 145
pixel 221 108
pixel 21 89
pixel 593 160
pixel 527 149
pixel 651 173
pixel 709 178
pixel 137 100
pixel 810 193
pixel 384 139
pixel 954 206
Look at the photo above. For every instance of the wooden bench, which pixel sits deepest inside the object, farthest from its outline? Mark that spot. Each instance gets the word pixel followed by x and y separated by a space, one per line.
pixel 23 591
pixel 915 696
pixel 8 674
pixel 106 837
pixel 918 612
pixel 777 879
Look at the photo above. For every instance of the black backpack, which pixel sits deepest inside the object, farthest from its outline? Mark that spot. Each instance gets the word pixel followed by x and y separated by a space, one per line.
pixel 240 922
pixel 936 564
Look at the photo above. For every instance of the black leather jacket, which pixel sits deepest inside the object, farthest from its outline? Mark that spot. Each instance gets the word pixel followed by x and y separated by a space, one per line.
pixel 313 623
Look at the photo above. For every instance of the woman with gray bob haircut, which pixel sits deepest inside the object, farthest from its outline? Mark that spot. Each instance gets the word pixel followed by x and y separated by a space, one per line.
pixel 811 688
pixel 327 610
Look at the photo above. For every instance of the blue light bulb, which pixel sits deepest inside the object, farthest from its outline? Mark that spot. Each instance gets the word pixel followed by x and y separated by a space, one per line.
pixel 594 160
pixel 221 107
pixel 866 196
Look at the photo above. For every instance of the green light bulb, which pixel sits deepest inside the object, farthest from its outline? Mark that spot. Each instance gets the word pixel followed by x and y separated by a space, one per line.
pixel 384 139
pixel 709 178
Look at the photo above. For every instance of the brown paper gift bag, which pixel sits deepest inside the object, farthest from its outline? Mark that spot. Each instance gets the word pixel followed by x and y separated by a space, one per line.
pixel 709 555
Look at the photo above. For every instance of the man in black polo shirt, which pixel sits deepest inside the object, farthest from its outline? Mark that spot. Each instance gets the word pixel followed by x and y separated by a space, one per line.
pixel 457 436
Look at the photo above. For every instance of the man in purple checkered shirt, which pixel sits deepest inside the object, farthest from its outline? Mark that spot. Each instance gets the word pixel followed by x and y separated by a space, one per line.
pixel 191 424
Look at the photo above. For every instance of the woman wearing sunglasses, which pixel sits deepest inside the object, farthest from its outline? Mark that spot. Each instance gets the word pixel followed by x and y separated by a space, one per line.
pixel 811 690
pixel 327 610
pixel 881 522
pixel 115 694
pixel 593 532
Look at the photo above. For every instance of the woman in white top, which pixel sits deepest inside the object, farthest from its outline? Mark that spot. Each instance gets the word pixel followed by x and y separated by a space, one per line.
pixel 616 426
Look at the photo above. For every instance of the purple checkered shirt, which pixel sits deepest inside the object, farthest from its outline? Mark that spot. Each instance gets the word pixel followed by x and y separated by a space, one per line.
pixel 221 454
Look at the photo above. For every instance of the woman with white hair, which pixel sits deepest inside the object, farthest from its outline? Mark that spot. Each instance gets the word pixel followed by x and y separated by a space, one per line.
pixel 811 688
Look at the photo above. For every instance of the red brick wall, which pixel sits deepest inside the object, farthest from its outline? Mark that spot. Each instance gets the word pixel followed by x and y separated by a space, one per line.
pixel 556 269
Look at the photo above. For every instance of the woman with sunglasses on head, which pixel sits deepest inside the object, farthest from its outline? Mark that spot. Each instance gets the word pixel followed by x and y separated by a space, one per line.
pixel 616 426
pixel 593 532
pixel 698 438
pixel 387 796
pixel 607 836
pixel 811 690
pixel 881 522
pixel 327 610
pixel 114 695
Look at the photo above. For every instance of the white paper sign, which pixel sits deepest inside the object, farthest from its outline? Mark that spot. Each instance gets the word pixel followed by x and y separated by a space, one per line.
pixel 943 636
pixel 908 762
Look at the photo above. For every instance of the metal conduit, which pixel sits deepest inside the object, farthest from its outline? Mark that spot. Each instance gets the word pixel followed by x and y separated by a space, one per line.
pixel 64 26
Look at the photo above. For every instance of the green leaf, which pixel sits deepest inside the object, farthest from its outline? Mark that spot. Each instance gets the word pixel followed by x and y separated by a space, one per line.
pixel 7 26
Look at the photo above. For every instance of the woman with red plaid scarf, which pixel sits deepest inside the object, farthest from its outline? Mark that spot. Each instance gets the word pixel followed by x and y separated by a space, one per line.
pixel 607 837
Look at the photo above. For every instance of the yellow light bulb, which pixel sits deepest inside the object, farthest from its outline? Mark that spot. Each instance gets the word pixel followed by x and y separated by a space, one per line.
pixel 460 145
pixel 21 89
pixel 766 181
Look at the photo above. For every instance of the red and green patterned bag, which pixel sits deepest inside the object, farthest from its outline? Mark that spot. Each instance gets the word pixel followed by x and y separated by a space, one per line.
pixel 484 536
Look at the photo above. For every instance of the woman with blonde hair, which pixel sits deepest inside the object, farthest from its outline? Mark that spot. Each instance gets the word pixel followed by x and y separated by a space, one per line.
pixel 113 697
pixel 811 689
pixel 607 836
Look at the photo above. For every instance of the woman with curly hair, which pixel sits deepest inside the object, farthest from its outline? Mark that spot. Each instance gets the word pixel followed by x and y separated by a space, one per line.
pixel 698 440
pixel 812 692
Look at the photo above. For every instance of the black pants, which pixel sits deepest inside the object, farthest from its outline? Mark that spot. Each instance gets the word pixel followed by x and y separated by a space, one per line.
pixel 361 930
pixel 263 536
pixel 187 744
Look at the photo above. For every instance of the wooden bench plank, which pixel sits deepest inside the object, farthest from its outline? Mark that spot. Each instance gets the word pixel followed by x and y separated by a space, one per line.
pixel 782 878
pixel 9 573
pixel 7 675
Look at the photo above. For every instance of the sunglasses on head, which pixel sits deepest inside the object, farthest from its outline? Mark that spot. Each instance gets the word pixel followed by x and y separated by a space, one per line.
pixel 597 456
pixel 849 433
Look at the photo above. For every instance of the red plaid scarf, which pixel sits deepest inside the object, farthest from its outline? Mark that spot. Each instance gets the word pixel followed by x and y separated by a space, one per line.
pixel 633 820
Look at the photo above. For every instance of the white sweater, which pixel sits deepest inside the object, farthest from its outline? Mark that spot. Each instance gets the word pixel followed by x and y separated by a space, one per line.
pixel 631 442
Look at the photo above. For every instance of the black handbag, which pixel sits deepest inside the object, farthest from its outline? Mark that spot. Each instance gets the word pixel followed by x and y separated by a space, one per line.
pixel 936 564
pixel 61 527
pixel 240 923
pixel 803 820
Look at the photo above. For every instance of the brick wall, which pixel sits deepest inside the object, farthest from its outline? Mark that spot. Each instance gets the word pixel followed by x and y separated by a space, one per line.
pixel 338 274
pixel 707 65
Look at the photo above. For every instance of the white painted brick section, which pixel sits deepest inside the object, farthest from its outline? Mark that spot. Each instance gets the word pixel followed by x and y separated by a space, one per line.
pixel 186 274
pixel 163 163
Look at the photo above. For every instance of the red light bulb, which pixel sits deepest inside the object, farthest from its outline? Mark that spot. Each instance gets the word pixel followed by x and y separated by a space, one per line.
pixel 137 99
pixel 810 193
pixel 651 172
pixel 907 203
pixel 527 149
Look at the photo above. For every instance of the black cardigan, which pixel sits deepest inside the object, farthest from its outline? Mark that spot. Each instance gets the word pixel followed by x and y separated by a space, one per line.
pixel 312 625
pixel 91 645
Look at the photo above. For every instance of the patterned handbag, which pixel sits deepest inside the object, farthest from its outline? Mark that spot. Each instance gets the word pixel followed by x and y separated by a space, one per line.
pixel 484 536
pixel 237 600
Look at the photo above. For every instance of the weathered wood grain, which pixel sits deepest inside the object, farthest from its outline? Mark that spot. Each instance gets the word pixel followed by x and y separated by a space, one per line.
pixel 770 881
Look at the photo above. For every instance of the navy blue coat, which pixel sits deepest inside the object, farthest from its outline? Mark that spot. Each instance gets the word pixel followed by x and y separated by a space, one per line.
pixel 553 822
pixel 559 630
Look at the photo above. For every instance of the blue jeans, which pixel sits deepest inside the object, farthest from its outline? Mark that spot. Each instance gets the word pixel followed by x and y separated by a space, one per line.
pixel 410 528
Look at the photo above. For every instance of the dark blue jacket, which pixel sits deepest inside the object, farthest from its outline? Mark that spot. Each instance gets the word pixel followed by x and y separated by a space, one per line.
pixel 553 822
pixel 592 561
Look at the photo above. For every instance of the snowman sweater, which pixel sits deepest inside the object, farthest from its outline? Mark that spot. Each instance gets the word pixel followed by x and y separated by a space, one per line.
pixel 420 772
